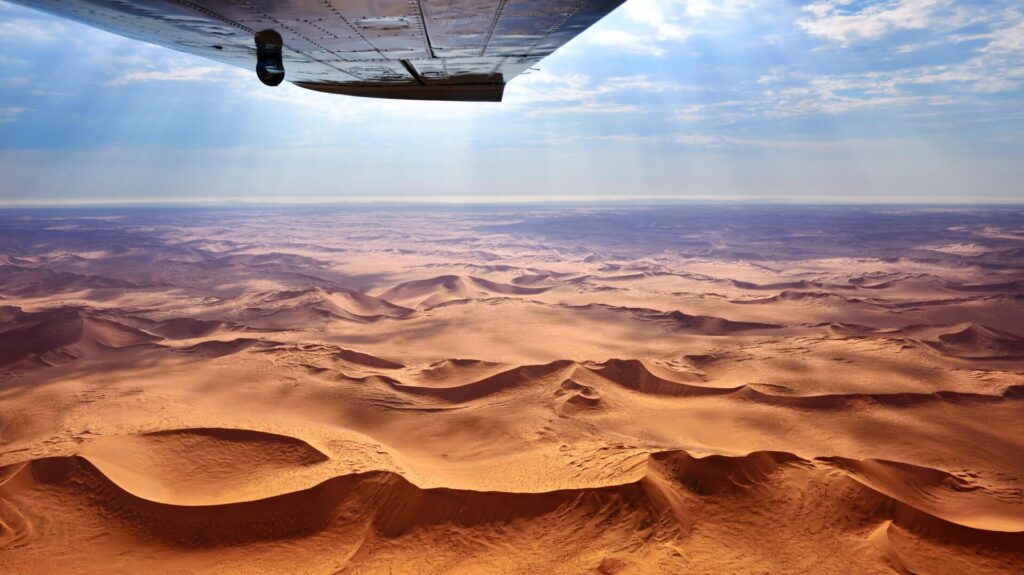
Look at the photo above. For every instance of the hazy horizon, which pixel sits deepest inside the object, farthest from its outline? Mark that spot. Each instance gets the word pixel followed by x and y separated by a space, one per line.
pixel 398 202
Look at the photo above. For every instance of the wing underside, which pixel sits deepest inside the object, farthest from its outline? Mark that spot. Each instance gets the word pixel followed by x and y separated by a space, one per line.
pixel 410 49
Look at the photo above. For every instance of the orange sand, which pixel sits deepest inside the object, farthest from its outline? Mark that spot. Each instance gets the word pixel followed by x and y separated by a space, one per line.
pixel 428 392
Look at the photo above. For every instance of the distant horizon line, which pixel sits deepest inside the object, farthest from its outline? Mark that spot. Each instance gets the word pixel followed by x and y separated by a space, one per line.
pixel 469 200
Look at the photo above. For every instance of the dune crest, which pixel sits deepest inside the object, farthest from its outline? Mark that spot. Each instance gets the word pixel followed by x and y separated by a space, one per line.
pixel 431 292
pixel 200 466
pixel 61 334
pixel 978 341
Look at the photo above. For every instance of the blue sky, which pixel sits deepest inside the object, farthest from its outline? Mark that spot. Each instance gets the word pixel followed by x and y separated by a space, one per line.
pixel 827 100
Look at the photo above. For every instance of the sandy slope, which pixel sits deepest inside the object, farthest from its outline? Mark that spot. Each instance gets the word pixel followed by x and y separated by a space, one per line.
pixel 446 392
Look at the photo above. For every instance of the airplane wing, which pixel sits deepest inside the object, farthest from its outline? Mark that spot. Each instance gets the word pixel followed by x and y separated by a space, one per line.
pixel 408 49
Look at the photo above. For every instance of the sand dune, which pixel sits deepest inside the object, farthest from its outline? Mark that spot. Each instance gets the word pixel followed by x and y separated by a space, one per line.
pixel 646 377
pixel 978 341
pixel 710 325
pixel 689 389
pixel 460 381
pixel 264 259
pixel 201 466
pixel 658 505
pixel 189 328
pixel 280 309
pixel 365 359
pixel 458 391
pixel 221 347
pixel 784 286
pixel 25 281
pixel 532 279
pixel 61 334
pixel 935 498
pixel 442 289
pixel 390 504
pixel 808 297
pixel 455 371
pixel 576 394
pixel 678 321
pixel 1003 287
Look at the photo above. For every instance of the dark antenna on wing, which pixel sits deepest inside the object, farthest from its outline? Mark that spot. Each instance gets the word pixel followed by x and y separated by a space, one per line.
pixel 269 57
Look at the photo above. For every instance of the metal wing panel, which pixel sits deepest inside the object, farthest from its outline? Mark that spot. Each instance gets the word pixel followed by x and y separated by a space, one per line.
pixel 418 49
pixel 524 23
pixel 459 28
pixel 164 22
pixel 573 25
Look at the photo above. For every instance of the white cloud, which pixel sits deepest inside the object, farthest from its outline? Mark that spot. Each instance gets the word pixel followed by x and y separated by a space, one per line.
pixel 24 29
pixel 637 83
pixel 679 19
pixel 665 17
pixel 586 108
pixel 993 63
pixel 181 74
pixel 726 112
pixel 10 114
pixel 716 141
pixel 664 22
pixel 632 43
pixel 845 22
pixel 997 67
pixel 549 93
pixel 794 95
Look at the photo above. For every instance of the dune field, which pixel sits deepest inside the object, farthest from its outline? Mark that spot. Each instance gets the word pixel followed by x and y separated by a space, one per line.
pixel 485 390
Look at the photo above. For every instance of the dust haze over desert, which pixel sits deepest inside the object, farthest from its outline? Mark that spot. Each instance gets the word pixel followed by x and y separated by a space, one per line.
pixel 531 389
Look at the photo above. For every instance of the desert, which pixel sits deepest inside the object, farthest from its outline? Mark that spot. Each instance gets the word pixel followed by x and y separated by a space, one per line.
pixel 685 388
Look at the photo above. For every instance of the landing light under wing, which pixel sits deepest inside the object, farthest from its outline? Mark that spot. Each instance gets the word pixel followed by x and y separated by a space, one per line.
pixel 409 49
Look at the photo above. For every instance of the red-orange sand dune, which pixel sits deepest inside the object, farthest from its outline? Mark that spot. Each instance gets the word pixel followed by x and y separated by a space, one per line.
pixel 688 389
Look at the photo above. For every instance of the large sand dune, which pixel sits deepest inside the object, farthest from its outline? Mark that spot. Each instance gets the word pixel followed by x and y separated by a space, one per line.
pixel 686 390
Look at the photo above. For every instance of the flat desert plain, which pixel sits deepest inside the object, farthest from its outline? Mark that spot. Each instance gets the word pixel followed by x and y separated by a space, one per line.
pixel 534 389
